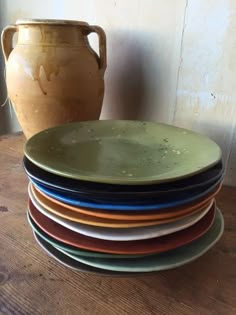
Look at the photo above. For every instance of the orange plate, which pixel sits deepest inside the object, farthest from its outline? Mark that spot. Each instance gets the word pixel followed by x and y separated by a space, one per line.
pixel 102 222
pixel 95 221
pixel 170 214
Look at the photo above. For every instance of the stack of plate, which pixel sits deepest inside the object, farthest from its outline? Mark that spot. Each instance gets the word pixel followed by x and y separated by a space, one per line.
pixel 121 197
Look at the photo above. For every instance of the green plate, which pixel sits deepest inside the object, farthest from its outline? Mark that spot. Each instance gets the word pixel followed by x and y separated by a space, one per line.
pixel 164 261
pixel 122 152
pixel 73 250
pixel 75 265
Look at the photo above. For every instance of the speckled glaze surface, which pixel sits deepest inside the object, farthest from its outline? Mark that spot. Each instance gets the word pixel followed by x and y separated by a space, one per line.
pixel 53 76
pixel 122 152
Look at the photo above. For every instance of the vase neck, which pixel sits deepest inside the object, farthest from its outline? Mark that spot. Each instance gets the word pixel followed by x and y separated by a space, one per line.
pixel 41 34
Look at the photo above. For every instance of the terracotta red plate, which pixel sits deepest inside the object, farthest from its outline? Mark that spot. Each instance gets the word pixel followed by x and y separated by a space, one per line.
pixel 155 245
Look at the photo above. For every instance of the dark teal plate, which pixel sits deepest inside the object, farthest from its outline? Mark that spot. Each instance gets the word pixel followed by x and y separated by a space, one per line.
pixel 164 261
pixel 75 265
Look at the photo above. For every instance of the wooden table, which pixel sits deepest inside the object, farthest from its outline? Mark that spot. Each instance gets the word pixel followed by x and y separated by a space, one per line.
pixel 32 283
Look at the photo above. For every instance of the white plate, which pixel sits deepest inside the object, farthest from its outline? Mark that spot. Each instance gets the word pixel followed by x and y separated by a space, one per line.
pixel 127 234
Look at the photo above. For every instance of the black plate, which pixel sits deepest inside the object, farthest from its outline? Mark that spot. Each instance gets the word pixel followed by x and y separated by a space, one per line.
pixel 103 192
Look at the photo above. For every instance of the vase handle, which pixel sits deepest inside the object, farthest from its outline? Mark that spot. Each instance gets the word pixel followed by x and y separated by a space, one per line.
pixel 102 45
pixel 6 40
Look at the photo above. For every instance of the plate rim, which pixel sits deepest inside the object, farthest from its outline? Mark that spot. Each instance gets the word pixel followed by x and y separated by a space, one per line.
pixel 55 243
pixel 125 181
pixel 91 231
pixel 91 270
pixel 123 247
pixel 213 190
pixel 153 269
pixel 89 191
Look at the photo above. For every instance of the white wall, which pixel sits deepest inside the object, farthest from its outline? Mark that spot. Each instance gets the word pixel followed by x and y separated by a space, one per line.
pixel 8 121
pixel 168 60
pixel 206 93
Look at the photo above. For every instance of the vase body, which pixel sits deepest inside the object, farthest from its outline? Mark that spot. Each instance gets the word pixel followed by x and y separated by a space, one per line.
pixel 53 76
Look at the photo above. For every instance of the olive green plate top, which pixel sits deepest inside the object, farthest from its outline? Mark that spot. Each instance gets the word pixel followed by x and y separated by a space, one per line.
pixel 122 152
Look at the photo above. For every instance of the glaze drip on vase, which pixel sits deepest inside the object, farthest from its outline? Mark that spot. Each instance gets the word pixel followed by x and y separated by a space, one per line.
pixel 53 75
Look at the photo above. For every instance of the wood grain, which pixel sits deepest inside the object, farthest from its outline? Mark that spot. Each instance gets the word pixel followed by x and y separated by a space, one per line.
pixel 33 283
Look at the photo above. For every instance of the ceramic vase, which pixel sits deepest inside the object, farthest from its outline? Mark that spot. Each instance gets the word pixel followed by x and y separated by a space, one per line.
pixel 53 75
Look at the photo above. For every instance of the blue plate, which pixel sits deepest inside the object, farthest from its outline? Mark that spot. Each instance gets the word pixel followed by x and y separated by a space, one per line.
pixel 164 203
pixel 136 198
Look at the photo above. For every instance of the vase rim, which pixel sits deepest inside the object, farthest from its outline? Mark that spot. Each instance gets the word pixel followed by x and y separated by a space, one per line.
pixel 50 22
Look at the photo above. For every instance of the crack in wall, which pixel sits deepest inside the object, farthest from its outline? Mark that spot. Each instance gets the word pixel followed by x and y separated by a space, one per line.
pixel 180 60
